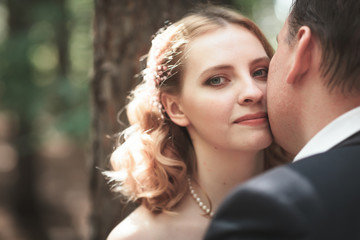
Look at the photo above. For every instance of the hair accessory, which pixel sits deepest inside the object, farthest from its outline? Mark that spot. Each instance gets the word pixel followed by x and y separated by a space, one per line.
pixel 202 205
pixel 162 74
pixel 163 47
pixel 156 103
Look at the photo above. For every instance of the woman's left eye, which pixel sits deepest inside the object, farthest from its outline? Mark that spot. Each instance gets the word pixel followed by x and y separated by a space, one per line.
pixel 216 81
pixel 261 72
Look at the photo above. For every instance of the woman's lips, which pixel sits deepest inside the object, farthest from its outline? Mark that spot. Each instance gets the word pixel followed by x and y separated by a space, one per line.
pixel 252 119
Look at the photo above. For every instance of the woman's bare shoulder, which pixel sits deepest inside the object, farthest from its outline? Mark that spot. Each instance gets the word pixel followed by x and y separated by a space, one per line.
pixel 142 224
pixel 138 225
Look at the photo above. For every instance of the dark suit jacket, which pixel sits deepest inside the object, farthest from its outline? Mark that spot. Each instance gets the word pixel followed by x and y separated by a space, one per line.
pixel 315 198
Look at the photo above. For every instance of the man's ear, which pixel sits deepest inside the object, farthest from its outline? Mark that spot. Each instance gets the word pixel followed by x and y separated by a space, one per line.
pixel 302 55
pixel 174 110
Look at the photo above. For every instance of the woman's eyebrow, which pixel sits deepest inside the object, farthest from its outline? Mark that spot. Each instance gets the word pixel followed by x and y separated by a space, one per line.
pixel 230 67
pixel 216 68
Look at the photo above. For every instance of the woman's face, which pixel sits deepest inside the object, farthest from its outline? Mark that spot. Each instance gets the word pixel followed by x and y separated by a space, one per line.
pixel 223 93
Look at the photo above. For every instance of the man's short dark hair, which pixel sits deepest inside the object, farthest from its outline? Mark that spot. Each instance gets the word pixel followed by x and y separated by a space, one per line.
pixel 336 24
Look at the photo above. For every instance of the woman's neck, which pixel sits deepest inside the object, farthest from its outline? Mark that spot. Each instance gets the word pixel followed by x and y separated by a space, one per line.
pixel 220 171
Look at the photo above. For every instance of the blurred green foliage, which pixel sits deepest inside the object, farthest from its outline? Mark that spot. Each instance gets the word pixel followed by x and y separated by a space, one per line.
pixel 247 7
pixel 45 59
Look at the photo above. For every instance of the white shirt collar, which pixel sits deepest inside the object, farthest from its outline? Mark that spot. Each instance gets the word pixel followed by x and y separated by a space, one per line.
pixel 335 132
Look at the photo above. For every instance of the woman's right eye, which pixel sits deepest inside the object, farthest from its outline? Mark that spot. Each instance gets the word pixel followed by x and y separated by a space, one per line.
pixel 216 81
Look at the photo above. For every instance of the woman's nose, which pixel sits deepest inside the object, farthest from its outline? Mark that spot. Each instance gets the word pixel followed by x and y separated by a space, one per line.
pixel 250 93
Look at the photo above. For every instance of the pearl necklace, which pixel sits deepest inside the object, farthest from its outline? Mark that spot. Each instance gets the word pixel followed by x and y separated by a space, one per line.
pixel 197 199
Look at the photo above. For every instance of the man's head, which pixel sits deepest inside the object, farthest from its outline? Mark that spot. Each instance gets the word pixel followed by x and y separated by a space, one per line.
pixel 314 74
pixel 336 25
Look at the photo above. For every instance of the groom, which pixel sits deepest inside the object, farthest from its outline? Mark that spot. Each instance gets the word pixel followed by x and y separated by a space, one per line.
pixel 314 112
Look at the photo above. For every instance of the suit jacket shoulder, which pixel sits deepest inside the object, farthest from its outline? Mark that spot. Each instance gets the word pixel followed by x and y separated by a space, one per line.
pixel 315 198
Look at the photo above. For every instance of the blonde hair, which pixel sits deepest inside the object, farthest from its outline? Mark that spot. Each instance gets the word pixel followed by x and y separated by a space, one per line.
pixel 155 155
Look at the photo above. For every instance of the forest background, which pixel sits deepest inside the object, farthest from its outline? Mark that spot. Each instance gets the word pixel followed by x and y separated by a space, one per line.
pixel 65 69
